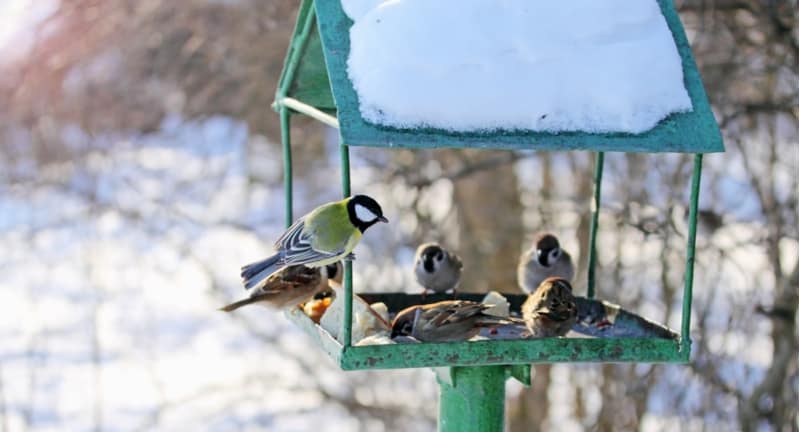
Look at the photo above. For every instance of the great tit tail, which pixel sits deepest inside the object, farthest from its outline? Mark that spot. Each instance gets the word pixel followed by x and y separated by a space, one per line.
pixel 254 273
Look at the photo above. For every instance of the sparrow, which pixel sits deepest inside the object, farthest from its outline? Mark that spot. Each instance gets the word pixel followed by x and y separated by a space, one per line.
pixel 322 237
pixel 437 270
pixel 545 259
pixel 551 310
pixel 446 321
pixel 291 286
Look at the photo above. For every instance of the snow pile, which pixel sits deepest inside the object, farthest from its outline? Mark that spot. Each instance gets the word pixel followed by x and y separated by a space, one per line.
pixel 479 65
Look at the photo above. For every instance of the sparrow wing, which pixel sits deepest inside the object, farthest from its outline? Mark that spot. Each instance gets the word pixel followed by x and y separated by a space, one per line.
pixel 290 278
pixel 452 312
pixel 456 261
pixel 556 310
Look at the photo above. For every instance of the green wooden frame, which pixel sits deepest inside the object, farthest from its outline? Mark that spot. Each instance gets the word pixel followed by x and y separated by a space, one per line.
pixel 314 82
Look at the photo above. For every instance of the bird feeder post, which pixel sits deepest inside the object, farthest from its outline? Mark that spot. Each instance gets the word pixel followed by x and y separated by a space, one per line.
pixel 473 399
pixel 686 340
pixel 598 180
pixel 347 283
pixel 287 164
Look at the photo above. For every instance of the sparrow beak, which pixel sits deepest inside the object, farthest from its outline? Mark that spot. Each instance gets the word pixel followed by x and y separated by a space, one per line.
pixel 383 219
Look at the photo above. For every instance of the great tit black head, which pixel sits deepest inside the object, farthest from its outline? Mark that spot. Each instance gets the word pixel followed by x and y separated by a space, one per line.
pixel 547 249
pixel 364 211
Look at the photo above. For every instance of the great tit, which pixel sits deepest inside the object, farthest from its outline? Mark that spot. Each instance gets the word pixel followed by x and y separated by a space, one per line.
pixel 291 286
pixel 437 270
pixel 446 321
pixel 551 310
pixel 545 259
pixel 324 236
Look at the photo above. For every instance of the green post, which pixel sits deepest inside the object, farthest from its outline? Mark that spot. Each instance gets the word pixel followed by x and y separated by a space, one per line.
pixel 302 31
pixel 347 320
pixel 287 164
pixel 474 401
pixel 686 340
pixel 598 181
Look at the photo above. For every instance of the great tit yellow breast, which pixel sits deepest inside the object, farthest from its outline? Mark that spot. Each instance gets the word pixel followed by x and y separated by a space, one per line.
pixel 331 228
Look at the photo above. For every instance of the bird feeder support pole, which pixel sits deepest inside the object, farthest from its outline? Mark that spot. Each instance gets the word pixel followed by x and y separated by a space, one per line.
pixel 287 163
pixel 598 180
pixel 686 340
pixel 347 320
pixel 287 77
pixel 295 52
pixel 473 399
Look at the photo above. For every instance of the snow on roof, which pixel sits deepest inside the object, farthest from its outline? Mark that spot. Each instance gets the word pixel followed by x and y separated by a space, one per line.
pixel 545 65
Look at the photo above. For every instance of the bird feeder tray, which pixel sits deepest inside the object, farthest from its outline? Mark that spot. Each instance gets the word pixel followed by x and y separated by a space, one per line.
pixel 611 334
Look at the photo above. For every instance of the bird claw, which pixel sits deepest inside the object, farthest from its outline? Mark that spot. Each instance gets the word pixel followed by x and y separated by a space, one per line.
pixel 349 257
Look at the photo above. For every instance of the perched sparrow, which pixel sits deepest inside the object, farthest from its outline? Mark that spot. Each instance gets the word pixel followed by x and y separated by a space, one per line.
pixel 445 321
pixel 437 269
pixel 545 259
pixel 551 310
pixel 325 236
pixel 291 286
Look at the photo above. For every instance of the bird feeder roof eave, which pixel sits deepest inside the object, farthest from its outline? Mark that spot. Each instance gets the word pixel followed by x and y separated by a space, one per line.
pixel 315 82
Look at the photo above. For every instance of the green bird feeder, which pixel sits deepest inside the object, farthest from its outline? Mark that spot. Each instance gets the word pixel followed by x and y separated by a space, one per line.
pixel 315 82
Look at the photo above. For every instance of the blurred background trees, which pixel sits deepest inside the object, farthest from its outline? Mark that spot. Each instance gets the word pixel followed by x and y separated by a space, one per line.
pixel 140 168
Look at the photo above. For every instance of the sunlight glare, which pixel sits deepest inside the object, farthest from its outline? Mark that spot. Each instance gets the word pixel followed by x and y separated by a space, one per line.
pixel 17 18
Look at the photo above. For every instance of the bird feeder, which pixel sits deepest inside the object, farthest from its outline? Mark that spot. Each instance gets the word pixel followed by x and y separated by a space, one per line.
pixel 315 82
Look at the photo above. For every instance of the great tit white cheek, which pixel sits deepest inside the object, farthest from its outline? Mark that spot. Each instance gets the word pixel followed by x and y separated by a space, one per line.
pixel 364 214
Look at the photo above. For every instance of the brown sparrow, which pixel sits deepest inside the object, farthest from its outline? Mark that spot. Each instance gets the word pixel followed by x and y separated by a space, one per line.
pixel 445 321
pixel 290 286
pixel 551 310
